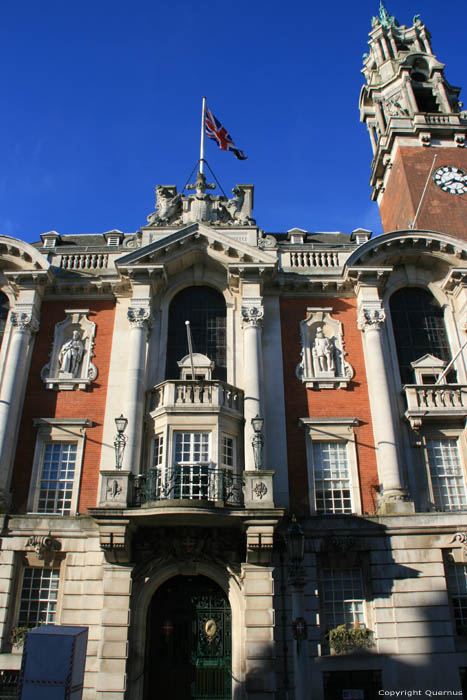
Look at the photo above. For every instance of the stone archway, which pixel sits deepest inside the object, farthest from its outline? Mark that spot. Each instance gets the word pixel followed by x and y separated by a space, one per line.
pixel 188 641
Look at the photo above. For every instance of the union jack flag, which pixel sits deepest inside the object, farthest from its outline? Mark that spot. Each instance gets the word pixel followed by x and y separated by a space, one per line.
pixel 217 132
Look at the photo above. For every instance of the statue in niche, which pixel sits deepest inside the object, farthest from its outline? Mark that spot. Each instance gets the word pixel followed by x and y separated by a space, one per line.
pixel 71 354
pixel 168 206
pixel 323 352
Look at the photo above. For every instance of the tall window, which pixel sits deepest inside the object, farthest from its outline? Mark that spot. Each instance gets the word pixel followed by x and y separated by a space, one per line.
pixel 446 474
pixel 342 597
pixel 456 580
pixel 39 594
pixel 419 329
pixel 4 308
pixel 331 477
pixel 57 477
pixel 205 308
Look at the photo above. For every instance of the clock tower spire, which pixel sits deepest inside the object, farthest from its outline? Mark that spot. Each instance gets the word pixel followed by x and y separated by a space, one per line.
pixel 417 129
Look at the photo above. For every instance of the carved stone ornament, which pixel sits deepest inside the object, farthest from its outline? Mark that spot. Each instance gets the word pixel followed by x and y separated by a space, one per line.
pixel 252 312
pixel 371 318
pixel 323 364
pixel 393 106
pixel 42 544
pixel 174 208
pixel 187 546
pixel 139 317
pixel 24 321
pixel 70 365
pixel 461 538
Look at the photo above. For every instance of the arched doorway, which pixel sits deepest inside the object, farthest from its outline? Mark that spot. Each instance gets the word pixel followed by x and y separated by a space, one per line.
pixel 189 641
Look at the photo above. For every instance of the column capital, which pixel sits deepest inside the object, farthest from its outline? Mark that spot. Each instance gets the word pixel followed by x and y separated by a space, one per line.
pixel 24 320
pixel 252 312
pixel 139 316
pixel 371 318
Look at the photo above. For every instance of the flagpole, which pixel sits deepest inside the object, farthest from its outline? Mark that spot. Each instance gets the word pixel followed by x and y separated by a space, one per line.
pixel 201 153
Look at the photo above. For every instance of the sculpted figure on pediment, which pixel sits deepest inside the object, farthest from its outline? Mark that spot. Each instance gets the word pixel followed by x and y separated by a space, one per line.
pixel 173 208
pixel 168 206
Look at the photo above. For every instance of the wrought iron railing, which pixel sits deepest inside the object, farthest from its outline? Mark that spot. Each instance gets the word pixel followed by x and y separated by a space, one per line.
pixel 194 482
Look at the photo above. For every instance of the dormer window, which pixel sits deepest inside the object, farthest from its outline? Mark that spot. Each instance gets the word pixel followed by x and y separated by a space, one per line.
pixel 113 238
pixel 429 370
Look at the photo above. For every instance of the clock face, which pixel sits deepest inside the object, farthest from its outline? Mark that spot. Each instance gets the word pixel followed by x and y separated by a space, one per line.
pixel 451 179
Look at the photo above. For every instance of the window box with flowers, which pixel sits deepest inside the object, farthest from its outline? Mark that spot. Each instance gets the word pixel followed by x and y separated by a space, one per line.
pixel 347 639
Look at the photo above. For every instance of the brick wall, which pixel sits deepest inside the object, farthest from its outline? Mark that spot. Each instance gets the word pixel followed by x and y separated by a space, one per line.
pixel 325 403
pixel 440 211
pixel 45 403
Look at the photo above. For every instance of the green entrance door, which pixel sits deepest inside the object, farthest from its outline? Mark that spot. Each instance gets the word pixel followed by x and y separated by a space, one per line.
pixel 189 642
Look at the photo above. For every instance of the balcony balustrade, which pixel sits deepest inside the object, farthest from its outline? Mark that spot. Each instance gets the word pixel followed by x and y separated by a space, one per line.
pixel 192 482
pixel 185 394
pixel 435 401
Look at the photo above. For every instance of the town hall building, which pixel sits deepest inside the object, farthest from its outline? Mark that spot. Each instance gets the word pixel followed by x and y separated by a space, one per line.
pixel 239 458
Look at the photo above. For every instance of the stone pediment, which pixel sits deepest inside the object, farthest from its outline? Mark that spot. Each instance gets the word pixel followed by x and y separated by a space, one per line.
pixel 191 244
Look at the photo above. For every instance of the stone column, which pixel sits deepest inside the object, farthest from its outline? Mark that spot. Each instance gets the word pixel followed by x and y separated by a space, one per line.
pixel 252 317
pixel 394 498
pixel 139 316
pixel 24 323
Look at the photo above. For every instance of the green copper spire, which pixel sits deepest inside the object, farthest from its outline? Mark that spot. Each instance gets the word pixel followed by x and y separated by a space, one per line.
pixel 385 18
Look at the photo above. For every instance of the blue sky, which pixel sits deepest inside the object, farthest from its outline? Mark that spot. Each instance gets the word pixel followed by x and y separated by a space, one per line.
pixel 101 102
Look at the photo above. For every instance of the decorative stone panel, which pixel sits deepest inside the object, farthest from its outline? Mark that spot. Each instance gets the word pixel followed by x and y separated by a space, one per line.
pixel 323 364
pixel 70 365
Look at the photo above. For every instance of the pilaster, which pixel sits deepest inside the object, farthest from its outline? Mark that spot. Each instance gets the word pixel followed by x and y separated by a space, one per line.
pixel 252 320
pixel 24 319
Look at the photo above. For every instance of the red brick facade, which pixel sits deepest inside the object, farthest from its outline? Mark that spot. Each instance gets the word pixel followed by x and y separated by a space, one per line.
pixel 440 211
pixel 46 403
pixel 326 403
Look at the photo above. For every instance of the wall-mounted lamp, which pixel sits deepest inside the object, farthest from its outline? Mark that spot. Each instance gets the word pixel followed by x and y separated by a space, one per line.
pixel 120 440
pixel 258 441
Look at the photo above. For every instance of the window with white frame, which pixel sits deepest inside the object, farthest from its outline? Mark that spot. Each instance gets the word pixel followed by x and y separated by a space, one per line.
pixel 456 581
pixel 158 451
pixel 38 599
pixel 57 465
pixel 57 478
pixel 332 465
pixel 228 451
pixel 331 476
pixel 446 474
pixel 191 473
pixel 342 597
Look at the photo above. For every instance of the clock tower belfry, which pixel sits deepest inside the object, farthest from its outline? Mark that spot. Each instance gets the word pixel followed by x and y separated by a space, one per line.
pixel 417 128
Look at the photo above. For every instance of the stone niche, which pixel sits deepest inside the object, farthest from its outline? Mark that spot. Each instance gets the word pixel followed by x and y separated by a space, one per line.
pixel 70 365
pixel 323 364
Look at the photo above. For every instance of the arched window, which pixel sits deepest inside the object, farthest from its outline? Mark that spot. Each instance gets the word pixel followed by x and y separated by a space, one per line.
pixel 418 324
pixel 205 308
pixel 4 308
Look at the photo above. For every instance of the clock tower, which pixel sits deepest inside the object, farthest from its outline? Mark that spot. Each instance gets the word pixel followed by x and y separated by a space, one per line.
pixel 417 128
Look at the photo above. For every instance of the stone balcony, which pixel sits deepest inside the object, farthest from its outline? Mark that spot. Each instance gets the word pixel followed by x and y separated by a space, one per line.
pixel 185 395
pixel 435 401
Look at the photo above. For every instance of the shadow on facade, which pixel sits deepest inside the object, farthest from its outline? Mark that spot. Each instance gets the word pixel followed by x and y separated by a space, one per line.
pixel 415 648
